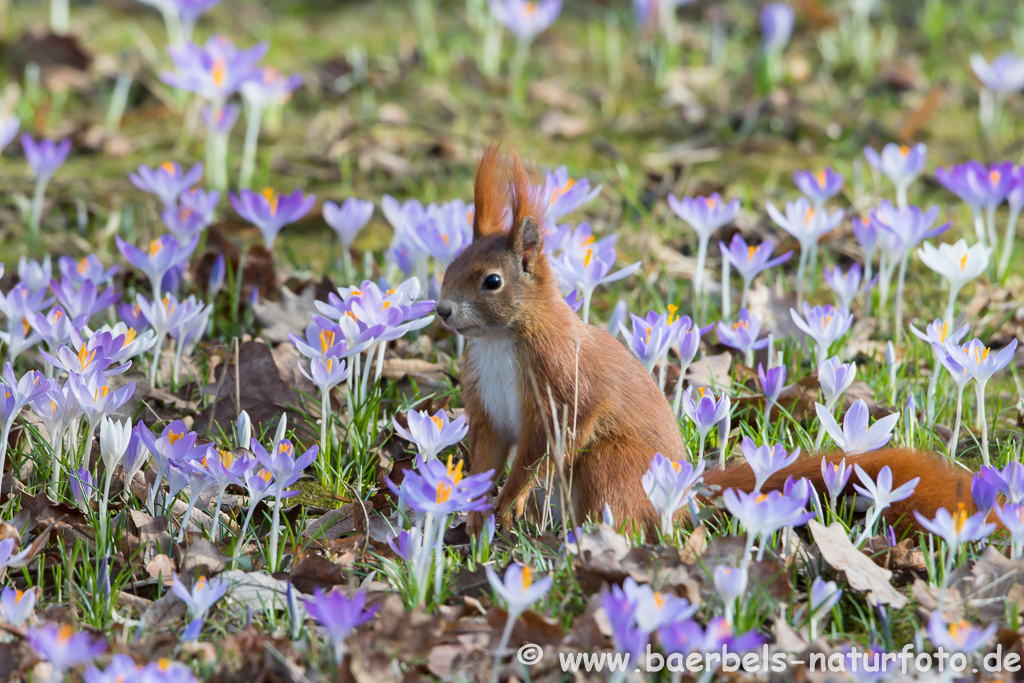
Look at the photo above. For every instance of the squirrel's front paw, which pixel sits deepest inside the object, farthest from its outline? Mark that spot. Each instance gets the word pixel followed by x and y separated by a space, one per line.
pixel 475 522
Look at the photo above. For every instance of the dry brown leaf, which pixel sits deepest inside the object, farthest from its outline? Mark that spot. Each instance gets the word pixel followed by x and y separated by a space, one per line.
pixel 862 574
pixel 162 568
pixel 710 371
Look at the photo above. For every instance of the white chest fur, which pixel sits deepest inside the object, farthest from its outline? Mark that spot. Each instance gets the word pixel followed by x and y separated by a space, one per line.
pixel 495 365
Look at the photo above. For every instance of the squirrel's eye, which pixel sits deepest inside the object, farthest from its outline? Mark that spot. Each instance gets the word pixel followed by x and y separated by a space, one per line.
pixel 492 281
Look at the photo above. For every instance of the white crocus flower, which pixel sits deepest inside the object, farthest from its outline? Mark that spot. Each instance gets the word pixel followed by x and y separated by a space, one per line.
pixel 956 262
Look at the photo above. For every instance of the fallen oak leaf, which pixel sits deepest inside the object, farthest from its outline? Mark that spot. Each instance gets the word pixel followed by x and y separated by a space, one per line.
pixel 861 573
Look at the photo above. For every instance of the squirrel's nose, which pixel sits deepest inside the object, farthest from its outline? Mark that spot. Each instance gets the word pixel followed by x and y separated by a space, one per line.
pixel 443 309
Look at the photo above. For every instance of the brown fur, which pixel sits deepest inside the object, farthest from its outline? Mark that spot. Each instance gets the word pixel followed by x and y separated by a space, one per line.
pixel 621 416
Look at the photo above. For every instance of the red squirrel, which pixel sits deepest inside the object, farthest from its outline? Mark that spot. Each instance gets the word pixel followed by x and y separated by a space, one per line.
pixel 521 335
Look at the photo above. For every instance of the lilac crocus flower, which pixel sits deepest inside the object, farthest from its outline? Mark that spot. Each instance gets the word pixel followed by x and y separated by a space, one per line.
pixel 162 255
pixel 9 558
pixel 958 264
pixel 958 637
pixel 705 215
pixel 649 340
pixel 742 335
pixel 15 394
pixel 730 584
pixel 167 181
pixel 669 486
pixel 95 397
pixel 85 300
pixel 440 490
pixel 627 636
pixel 267 86
pixel 821 598
pixel 958 528
pixel 348 218
pixel 9 126
pixel 818 187
pixel 63 648
pixel 35 275
pixel 807 225
pixel 984 493
pixel 706 412
pixel 56 327
pixel 772 383
pixel 824 324
pixel 45 156
pixel 762 514
pixel 564 194
pixel 653 609
pixel 846 286
pixel 835 378
pixel 776 27
pixel 517 588
pixel 215 71
pixel 203 595
pixel 881 494
pixel 339 615
pixel 86 269
pixel 407 544
pixel 688 638
pixel 17 606
pixel 270 212
pixel 586 269
pixel 866 235
pixel 766 460
pixel 526 19
pixel 1009 481
pixel 900 164
pixel 1004 75
pixel 750 261
pixel 835 475
pixel 1012 517
pixel 855 436
pixel 432 434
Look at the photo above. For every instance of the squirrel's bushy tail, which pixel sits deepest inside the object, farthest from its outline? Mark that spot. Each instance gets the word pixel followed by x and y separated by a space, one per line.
pixel 940 485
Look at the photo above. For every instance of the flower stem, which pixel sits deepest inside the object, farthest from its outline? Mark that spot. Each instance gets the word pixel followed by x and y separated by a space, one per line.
pixel 275 520
pixel 698 276
pixel 726 292
pixel 587 295
pixel 36 211
pixel 951 450
pixel 517 87
pixel 506 633
pixel 800 269
pixel 252 136
pixel 980 391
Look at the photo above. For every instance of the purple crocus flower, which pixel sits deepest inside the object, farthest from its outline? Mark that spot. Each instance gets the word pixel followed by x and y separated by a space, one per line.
pixel 984 493
pixel 750 261
pixel 776 27
pixel 9 558
pixel 627 636
pixel 220 119
pixel 846 286
pixel 441 489
pixel 339 615
pixel 348 218
pixel 649 340
pixel 909 226
pixel 87 269
pixel 900 164
pixel 957 528
pixel 824 324
pixel 9 126
pixel 766 460
pixel 432 434
pixel 1012 517
pixel 762 514
pixel 167 181
pixel 730 583
pixel 62 647
pixel 820 186
pixel 83 301
pixel 835 378
pixel 590 267
pixel 804 222
pixel 706 412
pixel 1004 75
pixel 978 361
pixel 958 637
pixel 867 237
pixel 705 215
pixel 835 475
pixel 564 194
pixel 215 71
pixel 1009 481
pixel 772 383
pixel 17 606
pixel 266 86
pixel 526 19
pixel 270 212
pixel 517 588
pixel 575 301
pixel 283 463
pixel 45 157
pixel 855 436
pixel 880 492
pixel 669 486
pixel 162 255
pixel 95 397
pixel 742 334
pixel 205 592
pixel 324 339
pixel 407 544
pixel 687 637
pixel 56 327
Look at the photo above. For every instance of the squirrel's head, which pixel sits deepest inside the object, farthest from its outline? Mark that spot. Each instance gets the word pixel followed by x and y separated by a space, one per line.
pixel 490 287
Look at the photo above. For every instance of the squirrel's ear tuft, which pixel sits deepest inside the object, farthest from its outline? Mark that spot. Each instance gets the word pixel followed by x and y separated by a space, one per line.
pixel 490 197
pixel 524 238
